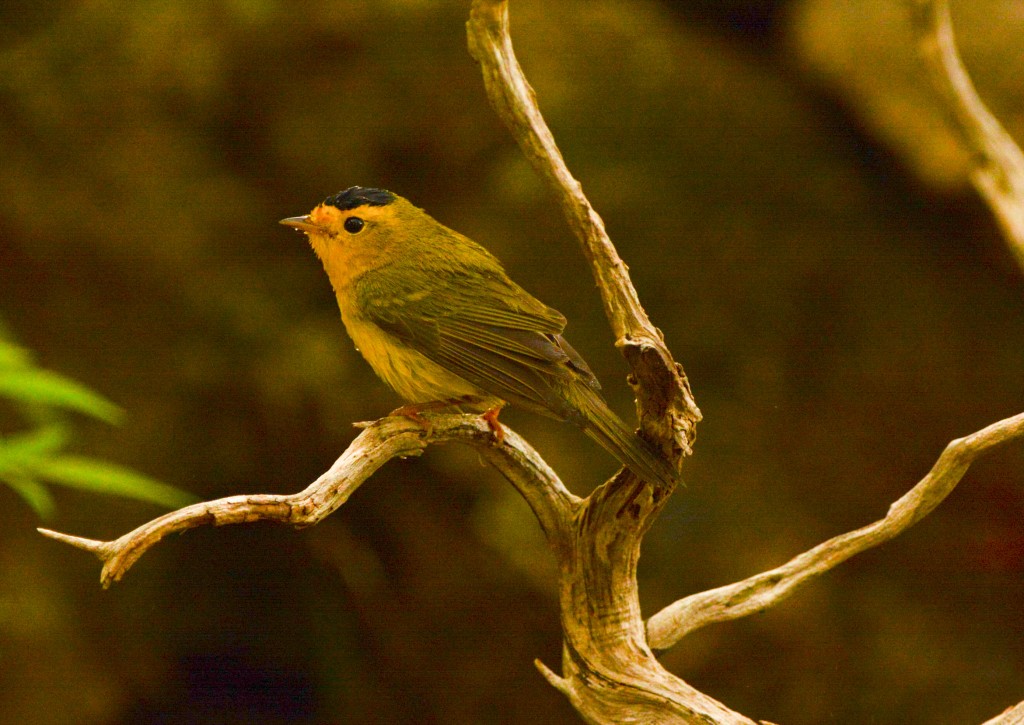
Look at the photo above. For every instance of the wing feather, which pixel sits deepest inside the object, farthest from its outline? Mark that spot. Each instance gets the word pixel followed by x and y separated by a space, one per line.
pixel 484 328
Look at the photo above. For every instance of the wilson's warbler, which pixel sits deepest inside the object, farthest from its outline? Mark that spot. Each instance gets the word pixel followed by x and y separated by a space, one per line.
pixel 438 319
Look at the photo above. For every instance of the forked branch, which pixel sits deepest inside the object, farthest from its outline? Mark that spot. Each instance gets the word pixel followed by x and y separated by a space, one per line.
pixel 609 672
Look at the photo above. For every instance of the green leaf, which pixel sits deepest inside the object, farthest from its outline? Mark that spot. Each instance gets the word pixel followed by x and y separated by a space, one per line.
pixel 42 386
pixel 24 449
pixel 107 478
pixel 13 356
pixel 33 493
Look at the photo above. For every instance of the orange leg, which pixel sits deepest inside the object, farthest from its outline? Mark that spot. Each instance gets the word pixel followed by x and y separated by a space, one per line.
pixel 414 411
pixel 491 418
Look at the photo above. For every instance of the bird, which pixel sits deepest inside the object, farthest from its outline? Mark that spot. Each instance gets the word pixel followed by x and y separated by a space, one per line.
pixel 439 320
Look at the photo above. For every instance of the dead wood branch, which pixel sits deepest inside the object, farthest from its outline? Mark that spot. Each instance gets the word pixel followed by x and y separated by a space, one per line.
pixel 998 172
pixel 668 413
pixel 382 440
pixel 609 671
pixel 768 588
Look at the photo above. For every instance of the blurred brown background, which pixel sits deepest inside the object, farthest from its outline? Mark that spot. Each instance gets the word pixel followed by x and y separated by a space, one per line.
pixel 796 220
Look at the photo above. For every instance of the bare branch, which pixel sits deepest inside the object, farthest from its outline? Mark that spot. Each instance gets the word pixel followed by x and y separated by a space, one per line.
pixel 559 683
pixel 609 671
pixel 514 100
pixel 767 589
pixel 381 441
pixel 668 412
pixel 1010 716
pixel 998 173
pixel 609 674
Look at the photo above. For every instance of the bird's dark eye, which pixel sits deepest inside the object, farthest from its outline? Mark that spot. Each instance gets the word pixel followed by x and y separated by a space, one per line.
pixel 354 224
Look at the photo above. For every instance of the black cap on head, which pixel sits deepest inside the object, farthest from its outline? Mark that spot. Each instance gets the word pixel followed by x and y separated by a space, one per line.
pixel 356 196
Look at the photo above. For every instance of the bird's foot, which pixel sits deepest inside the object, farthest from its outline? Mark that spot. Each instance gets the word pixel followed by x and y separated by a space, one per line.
pixel 414 411
pixel 491 418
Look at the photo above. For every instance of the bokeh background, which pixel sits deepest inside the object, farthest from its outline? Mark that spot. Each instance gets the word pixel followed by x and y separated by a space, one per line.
pixel 797 221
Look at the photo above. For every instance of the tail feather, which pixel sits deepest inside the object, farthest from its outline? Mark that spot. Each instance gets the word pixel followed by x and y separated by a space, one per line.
pixel 608 430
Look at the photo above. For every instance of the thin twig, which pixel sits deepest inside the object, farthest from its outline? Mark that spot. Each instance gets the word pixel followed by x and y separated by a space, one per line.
pixel 767 589
pixel 381 441
pixel 998 172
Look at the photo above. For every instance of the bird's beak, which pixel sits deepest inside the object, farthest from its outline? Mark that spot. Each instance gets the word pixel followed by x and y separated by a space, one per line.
pixel 302 223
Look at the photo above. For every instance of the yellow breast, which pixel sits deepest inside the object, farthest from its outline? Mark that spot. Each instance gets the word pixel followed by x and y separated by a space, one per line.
pixel 412 375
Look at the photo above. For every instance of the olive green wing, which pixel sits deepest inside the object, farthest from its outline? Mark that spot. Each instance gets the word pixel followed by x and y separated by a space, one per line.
pixel 484 328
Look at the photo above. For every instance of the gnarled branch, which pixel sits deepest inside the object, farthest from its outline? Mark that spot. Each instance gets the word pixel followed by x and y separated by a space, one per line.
pixel 609 671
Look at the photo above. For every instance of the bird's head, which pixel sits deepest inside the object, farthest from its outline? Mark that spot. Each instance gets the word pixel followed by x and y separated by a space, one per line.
pixel 360 229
